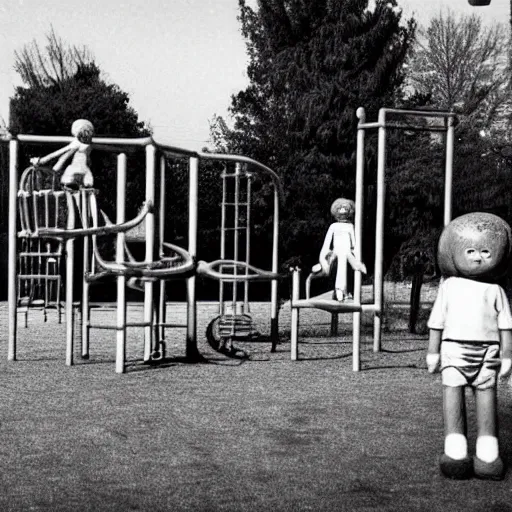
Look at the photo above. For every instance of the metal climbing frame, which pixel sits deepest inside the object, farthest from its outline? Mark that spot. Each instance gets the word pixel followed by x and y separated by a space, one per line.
pixel 234 319
pixel 160 263
pixel 39 260
pixel 356 307
pixel 234 270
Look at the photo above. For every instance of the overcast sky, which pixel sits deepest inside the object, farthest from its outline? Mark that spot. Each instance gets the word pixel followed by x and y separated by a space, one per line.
pixel 180 60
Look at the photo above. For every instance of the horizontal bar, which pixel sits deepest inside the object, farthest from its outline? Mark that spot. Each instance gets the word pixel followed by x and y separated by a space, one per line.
pixel 424 113
pixel 243 174
pixel 112 327
pixel 375 124
pixel 26 254
pixel 38 276
pixel 96 141
pixel 397 126
pixel 330 305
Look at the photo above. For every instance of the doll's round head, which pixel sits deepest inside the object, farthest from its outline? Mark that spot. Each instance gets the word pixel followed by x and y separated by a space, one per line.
pixel 83 130
pixel 343 209
pixel 476 246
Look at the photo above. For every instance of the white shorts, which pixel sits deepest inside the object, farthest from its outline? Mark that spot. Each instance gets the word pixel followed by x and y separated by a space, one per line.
pixel 470 364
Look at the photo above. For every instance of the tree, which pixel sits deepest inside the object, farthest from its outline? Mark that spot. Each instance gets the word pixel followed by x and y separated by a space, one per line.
pixel 52 66
pixel 63 83
pixel 461 64
pixel 311 65
pixel 456 64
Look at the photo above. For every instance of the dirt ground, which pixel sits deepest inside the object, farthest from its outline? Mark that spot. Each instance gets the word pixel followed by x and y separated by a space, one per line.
pixel 263 434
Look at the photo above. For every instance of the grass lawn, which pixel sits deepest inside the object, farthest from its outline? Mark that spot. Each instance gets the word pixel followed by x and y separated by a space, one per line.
pixel 266 434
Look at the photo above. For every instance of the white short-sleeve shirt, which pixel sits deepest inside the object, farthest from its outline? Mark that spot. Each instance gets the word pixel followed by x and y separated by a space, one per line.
pixel 468 310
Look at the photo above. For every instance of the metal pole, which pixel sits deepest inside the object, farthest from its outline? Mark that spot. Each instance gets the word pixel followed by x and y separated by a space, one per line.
pixel 294 334
pixel 358 227
pixel 448 179
pixel 247 240
pixel 235 234
pixel 86 307
pixel 161 220
pixel 150 247
pixel 121 279
pixel 70 263
pixel 12 253
pixel 379 233
pixel 274 305
pixel 191 343
pixel 223 236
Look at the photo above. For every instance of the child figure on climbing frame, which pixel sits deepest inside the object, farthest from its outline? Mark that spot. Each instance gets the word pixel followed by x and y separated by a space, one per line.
pixel 471 339
pixel 339 245
pixel 77 174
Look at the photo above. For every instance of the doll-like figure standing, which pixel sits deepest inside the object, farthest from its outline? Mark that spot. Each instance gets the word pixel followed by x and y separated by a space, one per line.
pixel 78 173
pixel 471 339
pixel 339 245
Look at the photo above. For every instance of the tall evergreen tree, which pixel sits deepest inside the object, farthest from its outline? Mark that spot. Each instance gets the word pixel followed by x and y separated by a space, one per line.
pixel 311 65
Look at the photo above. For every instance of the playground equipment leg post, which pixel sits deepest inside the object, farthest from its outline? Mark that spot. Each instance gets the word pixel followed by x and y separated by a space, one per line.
pixel 294 334
pixel 379 233
pixel 150 247
pixel 12 278
pixel 191 351
pixel 121 280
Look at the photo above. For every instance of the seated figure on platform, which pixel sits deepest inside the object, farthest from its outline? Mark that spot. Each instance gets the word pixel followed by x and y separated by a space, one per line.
pixel 471 339
pixel 339 244
pixel 77 174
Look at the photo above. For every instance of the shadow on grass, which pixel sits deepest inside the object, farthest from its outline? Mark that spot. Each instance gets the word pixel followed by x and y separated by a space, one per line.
pixel 387 351
pixel 393 367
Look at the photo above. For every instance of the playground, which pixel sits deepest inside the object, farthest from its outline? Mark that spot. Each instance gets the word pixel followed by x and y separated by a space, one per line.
pixel 304 402
pixel 278 321
pixel 265 433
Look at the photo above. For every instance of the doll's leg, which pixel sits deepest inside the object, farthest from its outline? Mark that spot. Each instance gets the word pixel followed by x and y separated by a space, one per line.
pixel 455 427
pixel 487 463
pixel 355 263
pixel 88 180
pixel 455 462
pixel 341 277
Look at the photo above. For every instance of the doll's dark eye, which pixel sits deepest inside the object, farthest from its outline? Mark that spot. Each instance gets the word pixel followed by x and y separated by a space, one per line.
pixel 470 252
pixel 485 253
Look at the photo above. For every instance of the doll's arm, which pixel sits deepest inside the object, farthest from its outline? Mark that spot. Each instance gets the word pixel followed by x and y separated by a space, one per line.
pixel 325 262
pixel 434 347
pixel 352 237
pixel 64 153
pixel 326 247
pixel 506 353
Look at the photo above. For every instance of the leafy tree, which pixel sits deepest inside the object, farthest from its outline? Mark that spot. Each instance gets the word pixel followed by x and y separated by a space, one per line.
pixel 62 84
pixel 311 65
pixel 52 66
pixel 461 64
pixel 456 64
pixel 415 198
